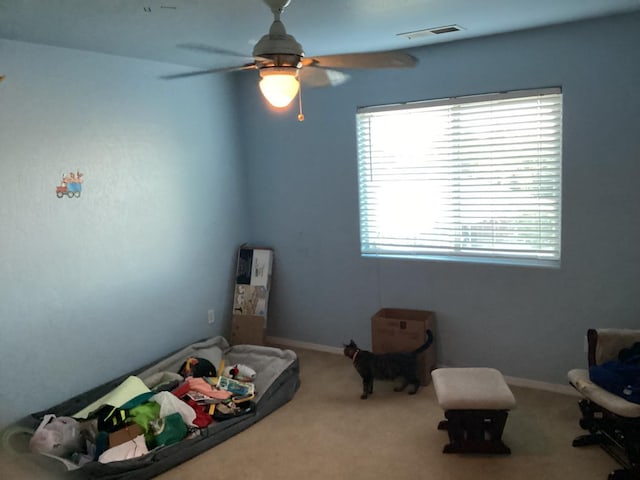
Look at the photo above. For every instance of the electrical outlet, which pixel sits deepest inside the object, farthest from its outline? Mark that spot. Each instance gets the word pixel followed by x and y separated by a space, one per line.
pixel 212 316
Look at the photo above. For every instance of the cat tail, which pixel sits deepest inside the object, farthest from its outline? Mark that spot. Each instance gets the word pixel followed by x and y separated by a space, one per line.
pixel 427 344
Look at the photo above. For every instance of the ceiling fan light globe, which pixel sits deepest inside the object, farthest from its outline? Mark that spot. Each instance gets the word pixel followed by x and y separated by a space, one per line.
pixel 279 85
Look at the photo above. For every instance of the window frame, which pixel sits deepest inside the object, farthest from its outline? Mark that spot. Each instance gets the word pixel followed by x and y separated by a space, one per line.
pixel 543 258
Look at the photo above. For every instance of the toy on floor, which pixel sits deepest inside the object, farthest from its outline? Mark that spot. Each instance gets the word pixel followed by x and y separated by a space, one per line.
pixel 240 372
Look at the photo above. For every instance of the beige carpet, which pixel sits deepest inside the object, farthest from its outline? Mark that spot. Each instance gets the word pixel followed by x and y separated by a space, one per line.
pixel 327 432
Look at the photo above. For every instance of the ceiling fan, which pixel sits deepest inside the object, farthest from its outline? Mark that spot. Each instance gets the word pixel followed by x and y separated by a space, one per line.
pixel 280 60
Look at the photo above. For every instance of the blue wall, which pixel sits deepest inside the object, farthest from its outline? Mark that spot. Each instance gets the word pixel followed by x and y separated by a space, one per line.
pixel 178 174
pixel 527 322
pixel 95 286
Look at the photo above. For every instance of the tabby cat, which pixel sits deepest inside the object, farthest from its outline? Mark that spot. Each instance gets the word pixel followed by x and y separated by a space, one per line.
pixel 386 366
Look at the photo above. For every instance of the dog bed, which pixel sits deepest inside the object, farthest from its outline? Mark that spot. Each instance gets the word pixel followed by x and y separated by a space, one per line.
pixel 276 382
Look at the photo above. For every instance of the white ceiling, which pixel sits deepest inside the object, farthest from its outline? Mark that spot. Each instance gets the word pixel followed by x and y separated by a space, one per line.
pixel 153 29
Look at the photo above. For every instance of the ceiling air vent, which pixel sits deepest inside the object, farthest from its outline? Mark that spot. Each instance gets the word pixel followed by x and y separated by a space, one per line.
pixel 427 32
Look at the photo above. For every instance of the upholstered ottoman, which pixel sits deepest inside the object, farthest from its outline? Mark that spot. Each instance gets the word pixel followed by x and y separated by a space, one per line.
pixel 476 402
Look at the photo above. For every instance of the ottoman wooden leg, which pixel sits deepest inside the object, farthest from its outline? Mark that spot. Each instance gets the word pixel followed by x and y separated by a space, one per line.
pixel 475 431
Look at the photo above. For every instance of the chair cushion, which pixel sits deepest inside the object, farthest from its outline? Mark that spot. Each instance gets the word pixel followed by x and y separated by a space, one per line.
pixel 472 389
pixel 612 340
pixel 579 378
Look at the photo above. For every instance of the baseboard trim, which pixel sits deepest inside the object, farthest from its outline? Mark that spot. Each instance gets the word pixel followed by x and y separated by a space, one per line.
pixel 286 342
pixel 538 385
pixel 515 381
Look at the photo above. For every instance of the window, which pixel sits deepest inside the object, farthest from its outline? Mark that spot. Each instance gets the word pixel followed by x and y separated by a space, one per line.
pixel 474 179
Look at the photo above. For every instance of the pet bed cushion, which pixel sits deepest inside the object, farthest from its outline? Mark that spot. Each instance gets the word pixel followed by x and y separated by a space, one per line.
pixel 277 380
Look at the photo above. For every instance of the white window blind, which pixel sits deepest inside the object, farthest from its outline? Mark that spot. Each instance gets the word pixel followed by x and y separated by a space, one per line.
pixel 471 179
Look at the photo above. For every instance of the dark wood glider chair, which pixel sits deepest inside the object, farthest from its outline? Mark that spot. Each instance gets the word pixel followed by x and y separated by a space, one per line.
pixel 612 421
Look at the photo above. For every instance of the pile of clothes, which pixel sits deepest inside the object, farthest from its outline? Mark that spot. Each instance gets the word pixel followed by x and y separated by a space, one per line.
pixel 142 414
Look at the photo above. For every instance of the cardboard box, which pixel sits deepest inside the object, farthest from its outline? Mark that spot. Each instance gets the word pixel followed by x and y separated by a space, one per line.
pixel 250 300
pixel 248 329
pixel 125 434
pixel 251 295
pixel 253 281
pixel 254 266
pixel 402 330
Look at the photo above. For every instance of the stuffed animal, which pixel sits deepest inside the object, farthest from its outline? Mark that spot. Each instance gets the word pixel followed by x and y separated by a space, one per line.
pixel 240 372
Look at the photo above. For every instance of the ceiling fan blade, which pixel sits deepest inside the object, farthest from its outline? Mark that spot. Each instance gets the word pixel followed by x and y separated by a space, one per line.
pixel 214 50
pixel 390 59
pixel 249 66
pixel 312 77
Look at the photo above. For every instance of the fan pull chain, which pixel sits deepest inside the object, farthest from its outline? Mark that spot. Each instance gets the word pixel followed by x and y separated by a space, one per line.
pixel 300 115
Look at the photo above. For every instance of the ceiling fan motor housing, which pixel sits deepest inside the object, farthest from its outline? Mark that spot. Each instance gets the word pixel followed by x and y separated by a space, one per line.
pixel 279 49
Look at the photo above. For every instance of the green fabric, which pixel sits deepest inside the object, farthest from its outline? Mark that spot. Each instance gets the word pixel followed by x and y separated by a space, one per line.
pixel 145 413
pixel 169 430
pixel 134 402
pixel 130 388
